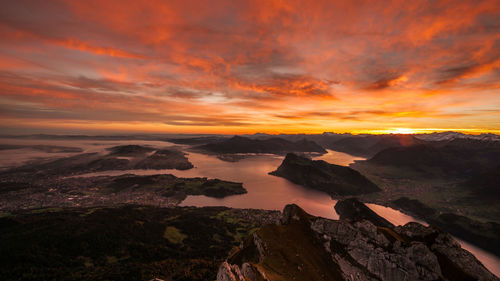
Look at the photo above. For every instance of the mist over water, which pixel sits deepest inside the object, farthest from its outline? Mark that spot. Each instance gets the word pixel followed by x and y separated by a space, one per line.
pixel 264 191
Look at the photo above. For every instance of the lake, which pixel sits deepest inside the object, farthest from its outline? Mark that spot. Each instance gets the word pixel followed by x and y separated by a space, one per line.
pixel 264 191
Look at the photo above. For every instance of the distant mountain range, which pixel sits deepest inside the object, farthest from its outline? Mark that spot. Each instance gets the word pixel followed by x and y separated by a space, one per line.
pixel 456 135
pixel 367 145
pixel 456 157
pixel 239 144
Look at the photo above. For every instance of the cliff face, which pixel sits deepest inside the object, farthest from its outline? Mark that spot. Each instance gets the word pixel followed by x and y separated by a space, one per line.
pixel 303 247
pixel 320 175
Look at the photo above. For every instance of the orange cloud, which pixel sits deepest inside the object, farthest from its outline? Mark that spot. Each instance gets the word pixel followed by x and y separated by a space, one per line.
pixel 85 47
pixel 261 65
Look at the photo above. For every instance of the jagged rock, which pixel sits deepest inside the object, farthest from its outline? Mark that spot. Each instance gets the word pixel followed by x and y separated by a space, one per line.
pixel 229 272
pixel 251 272
pixel 456 263
pixel 304 247
pixel 292 212
pixel 259 245
pixel 417 231
pixel 426 263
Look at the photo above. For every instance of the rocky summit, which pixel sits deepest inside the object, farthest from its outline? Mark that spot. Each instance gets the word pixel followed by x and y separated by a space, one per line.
pixel 304 247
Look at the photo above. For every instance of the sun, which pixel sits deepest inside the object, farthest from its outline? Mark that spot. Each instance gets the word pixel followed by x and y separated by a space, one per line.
pixel 401 131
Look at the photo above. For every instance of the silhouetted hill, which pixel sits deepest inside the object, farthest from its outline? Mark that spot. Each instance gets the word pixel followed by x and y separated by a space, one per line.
pixel 410 156
pixel 239 144
pixel 369 145
pixel 320 175
pixel 323 139
pixel 458 158
pixel 197 140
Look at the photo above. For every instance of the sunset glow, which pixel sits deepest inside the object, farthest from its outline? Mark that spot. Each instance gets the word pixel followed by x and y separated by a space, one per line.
pixel 249 66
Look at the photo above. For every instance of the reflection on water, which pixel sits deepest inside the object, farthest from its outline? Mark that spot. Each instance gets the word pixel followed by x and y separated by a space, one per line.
pixel 264 191
pixel 339 158
pixel 393 216
pixel 490 261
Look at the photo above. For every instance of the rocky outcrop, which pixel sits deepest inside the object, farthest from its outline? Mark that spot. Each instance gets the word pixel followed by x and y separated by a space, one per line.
pixel 304 247
pixel 318 174
pixel 352 209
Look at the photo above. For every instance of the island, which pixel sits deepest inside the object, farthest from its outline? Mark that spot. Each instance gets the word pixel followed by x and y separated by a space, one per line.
pixel 320 175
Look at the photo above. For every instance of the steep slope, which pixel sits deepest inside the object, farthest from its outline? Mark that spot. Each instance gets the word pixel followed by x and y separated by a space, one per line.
pixel 320 175
pixel 303 247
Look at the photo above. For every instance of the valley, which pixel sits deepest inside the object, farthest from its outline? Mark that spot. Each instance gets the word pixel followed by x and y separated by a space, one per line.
pixel 158 174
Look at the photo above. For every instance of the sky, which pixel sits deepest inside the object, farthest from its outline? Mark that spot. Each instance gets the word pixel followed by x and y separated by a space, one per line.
pixel 249 66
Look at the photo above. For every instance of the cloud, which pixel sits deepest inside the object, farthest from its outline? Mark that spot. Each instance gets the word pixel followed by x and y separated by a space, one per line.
pixel 274 65
pixel 387 82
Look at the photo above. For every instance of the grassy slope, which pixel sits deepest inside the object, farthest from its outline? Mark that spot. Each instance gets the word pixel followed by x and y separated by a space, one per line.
pixel 121 243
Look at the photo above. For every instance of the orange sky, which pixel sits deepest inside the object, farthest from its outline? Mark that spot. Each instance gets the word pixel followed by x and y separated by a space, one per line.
pixel 249 66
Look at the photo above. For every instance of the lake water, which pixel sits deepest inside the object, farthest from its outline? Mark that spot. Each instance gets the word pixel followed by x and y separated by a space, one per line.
pixel 264 191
